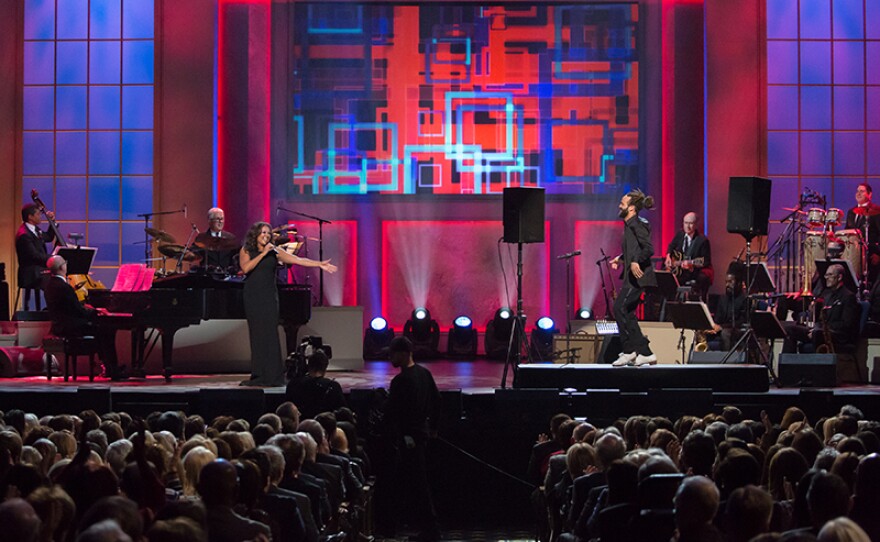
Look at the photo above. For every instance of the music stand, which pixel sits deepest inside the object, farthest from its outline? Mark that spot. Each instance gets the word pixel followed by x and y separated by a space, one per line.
pixel 849 275
pixel 667 285
pixel 79 259
pixel 693 315
pixel 759 279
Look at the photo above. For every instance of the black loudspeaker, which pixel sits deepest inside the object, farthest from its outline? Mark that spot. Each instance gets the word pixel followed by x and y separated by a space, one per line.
pixel 748 206
pixel 715 357
pixel 808 370
pixel 523 215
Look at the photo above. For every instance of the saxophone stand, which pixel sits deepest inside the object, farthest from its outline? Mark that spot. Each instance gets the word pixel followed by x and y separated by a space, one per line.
pixel 517 342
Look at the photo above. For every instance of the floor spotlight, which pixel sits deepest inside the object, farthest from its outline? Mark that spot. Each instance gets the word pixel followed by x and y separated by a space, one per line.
pixel 541 342
pixel 498 333
pixel 424 332
pixel 462 338
pixel 377 339
pixel 584 313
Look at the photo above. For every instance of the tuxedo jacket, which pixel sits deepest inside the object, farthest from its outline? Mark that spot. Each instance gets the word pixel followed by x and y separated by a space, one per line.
pixel 699 248
pixel 69 316
pixel 32 256
pixel 637 247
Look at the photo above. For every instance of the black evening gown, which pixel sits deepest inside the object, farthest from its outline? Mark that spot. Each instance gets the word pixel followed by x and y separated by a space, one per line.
pixel 262 313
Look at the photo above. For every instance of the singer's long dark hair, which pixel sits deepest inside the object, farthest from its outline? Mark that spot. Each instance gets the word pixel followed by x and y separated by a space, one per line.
pixel 250 238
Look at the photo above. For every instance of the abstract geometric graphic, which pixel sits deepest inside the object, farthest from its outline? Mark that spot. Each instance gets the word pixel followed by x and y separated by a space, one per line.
pixel 463 99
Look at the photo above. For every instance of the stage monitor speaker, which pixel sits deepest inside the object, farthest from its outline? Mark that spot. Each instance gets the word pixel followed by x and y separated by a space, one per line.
pixel 713 357
pixel 748 206
pixel 808 370
pixel 523 215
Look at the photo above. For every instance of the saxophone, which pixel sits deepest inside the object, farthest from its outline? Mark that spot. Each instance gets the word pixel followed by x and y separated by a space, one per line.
pixel 827 347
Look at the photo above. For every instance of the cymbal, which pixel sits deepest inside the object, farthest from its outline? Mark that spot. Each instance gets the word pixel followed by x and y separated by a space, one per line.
pixel 159 235
pixel 793 209
pixel 174 251
pixel 217 244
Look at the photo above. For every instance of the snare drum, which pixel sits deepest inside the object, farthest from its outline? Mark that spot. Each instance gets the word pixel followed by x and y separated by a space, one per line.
pixel 816 217
pixel 853 249
pixel 833 217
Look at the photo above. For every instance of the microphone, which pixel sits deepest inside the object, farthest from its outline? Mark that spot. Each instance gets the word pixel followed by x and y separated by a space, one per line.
pixel 75 236
pixel 195 228
pixel 185 214
pixel 569 255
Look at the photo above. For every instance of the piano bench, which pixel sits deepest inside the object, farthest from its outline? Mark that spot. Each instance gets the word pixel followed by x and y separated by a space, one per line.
pixel 71 348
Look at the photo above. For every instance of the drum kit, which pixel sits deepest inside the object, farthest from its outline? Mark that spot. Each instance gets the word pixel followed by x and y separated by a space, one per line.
pixel 822 242
pixel 169 249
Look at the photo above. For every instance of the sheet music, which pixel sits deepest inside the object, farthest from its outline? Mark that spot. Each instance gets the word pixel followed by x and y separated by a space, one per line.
pixel 133 277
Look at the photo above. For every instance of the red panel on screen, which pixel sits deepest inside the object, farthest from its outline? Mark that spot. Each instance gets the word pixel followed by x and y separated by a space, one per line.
pixel 340 247
pixel 590 237
pixel 452 267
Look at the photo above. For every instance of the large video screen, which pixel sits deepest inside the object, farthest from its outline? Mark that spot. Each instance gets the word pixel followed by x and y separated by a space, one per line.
pixel 463 99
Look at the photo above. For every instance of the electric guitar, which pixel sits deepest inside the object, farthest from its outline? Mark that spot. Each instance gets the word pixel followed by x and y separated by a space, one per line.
pixel 678 262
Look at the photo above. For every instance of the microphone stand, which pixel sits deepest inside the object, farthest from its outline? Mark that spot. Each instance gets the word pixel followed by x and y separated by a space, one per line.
pixel 321 223
pixel 148 243
pixel 568 258
pixel 599 263
pixel 189 242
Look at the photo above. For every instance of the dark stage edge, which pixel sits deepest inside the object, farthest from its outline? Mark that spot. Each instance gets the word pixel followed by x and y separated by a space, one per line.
pixel 718 378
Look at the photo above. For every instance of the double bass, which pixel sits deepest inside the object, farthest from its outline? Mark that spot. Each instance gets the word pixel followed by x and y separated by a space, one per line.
pixel 81 283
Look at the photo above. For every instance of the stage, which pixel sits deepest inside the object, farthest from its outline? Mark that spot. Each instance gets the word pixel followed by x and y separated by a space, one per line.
pixel 594 391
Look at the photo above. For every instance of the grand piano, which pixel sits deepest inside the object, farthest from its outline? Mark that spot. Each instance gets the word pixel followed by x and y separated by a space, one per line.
pixel 179 301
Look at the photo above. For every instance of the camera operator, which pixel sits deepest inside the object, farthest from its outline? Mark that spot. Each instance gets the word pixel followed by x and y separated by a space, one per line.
pixel 312 392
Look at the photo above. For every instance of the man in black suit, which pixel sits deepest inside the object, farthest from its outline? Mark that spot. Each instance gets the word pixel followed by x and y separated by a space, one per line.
pixel 731 312
pixel 218 244
pixel 30 247
pixel 865 217
pixel 690 253
pixel 839 316
pixel 70 318
pixel 637 274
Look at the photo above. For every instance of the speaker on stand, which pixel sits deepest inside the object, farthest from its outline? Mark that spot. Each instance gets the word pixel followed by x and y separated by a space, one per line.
pixel 523 223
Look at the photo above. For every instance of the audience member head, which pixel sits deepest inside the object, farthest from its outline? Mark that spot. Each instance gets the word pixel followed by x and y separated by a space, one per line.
pixel 172 421
pixel 113 430
pixel 828 498
pixel 609 448
pixel 289 414
pixel 698 453
pixel 738 469
pixel 262 432
pixel 218 484
pixel 696 503
pixel 791 415
pixel 193 462
pixel 845 466
pixel 578 458
pixel 193 425
pixel 276 463
pixel 635 432
pixel 748 513
pixel 10 442
pixel 20 523
pixel 271 419
pixel 293 450
pixel 328 423
pixel 842 529
pixel 623 482
pixel 731 415
pixel 786 467
pixel 65 443
pixel 179 529
pixel 316 431
pixel 117 455
pixel 56 511
pixel 741 431
pixel 121 511
pixel 104 531
pixel 808 443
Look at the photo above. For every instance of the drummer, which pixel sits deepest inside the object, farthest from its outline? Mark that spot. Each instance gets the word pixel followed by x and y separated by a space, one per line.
pixel 218 244
pixel 865 217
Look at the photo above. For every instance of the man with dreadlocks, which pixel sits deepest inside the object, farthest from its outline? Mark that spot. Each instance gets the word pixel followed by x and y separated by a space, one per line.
pixel 637 274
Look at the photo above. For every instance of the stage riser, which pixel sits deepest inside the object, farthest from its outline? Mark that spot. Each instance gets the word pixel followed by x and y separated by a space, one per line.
pixel 725 378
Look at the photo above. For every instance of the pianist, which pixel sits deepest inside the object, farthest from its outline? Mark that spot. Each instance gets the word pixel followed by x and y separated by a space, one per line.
pixel 218 245
pixel 70 318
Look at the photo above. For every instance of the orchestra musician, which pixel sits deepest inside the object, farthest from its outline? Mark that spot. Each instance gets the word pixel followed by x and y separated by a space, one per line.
pixel 637 274
pixel 865 217
pixel 70 318
pixel 258 259
pixel 838 318
pixel 30 247
pixel 219 245
pixel 730 315
pixel 690 252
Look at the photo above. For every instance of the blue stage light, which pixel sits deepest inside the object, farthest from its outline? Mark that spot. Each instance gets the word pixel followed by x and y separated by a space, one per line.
pixel 378 323
pixel 584 313
pixel 545 323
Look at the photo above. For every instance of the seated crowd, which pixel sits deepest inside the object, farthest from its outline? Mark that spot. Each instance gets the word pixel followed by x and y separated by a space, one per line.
pixel 173 477
pixel 719 477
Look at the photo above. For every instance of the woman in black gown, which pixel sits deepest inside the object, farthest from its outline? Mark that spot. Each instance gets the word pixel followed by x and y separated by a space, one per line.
pixel 258 258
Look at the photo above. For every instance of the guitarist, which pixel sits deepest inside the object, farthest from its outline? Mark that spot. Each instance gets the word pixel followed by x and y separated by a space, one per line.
pixel 687 246
pixel 30 247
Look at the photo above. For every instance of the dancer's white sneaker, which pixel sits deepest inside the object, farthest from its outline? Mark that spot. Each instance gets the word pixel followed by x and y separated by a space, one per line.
pixel 646 360
pixel 624 359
